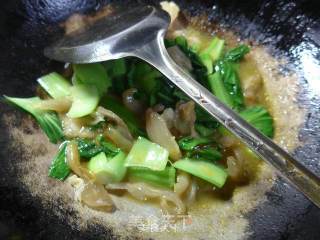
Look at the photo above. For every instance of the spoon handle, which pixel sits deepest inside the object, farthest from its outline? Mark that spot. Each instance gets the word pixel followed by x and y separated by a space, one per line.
pixel 303 179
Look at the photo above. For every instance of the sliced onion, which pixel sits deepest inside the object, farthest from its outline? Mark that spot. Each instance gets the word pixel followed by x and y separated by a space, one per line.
pixel 96 196
pixel 117 137
pixel 180 58
pixel 73 160
pixel 95 118
pixel 185 118
pixel 228 141
pixel 182 184
pixel 235 168
pixel 158 107
pixel 191 194
pixel 60 105
pixel 76 127
pixel 131 103
pixel 159 133
pixel 122 126
pixel 143 191
pixel 168 116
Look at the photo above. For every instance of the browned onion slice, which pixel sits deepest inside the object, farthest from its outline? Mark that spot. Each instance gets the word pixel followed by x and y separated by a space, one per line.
pixel 185 118
pixel 76 127
pixel 117 120
pixel 182 184
pixel 168 116
pixel 73 160
pixel 192 192
pixel 96 196
pixel 131 103
pixel 60 105
pixel 159 133
pixel 143 191
pixel 117 137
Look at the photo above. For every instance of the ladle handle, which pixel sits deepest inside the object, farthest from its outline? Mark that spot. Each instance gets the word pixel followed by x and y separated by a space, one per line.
pixel 303 179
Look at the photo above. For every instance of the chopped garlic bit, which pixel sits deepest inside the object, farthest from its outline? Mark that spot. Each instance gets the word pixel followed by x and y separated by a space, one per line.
pixel 172 8
pixel 78 185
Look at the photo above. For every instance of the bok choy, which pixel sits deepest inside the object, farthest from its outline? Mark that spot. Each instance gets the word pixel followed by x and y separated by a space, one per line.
pixel 47 120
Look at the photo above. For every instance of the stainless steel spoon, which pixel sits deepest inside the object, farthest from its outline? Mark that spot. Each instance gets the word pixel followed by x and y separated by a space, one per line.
pixel 140 32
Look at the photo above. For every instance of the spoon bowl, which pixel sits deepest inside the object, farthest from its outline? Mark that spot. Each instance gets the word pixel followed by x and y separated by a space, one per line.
pixel 112 37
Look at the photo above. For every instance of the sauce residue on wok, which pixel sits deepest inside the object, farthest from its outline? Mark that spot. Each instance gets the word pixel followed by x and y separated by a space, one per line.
pixel 218 209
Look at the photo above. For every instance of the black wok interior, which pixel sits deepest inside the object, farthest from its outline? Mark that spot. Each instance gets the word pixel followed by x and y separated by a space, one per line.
pixel 27 26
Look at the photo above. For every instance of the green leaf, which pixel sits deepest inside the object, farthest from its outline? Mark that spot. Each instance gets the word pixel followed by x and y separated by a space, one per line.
pixel 93 74
pixel 163 178
pixel 115 68
pixel 207 62
pixel 260 118
pixel 225 83
pixel 237 53
pixel 147 154
pixel 204 119
pixel 125 114
pixel 182 42
pixel 89 148
pixel 108 169
pixel 199 69
pixel 203 130
pixel 231 82
pixel 55 85
pixel 48 121
pixel 85 99
pixel 199 148
pixel 59 168
pixel 169 42
pixel 219 90
pixel 215 49
pixel 144 77
pixel 190 143
pixel 205 170
pixel 206 153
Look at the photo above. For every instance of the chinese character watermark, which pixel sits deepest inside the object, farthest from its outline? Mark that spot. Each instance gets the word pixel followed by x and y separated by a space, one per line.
pixel 167 223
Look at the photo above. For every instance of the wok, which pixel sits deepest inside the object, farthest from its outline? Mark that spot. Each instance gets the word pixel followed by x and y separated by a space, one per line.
pixel 287 28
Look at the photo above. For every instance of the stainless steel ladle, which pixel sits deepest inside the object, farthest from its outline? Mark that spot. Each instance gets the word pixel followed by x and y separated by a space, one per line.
pixel 140 32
